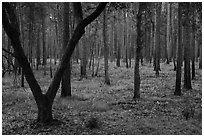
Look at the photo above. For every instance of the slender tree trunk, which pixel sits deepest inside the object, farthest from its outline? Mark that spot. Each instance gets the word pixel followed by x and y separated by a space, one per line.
pixel 43 39
pixel 125 39
pixel 173 39
pixel 179 54
pixel 193 55
pixel 21 26
pixel 79 16
pixel 193 46
pixel 151 42
pixel 94 45
pixel 44 102
pixel 157 38
pixel 187 72
pixel 200 58
pixel 83 58
pixel 66 78
pixel 92 67
pixel 31 32
pixel 50 37
pixel 97 66
pixel 107 80
pixel 9 56
pixel 168 32
pixel 117 45
pixel 138 50
pixel 112 42
pixel 38 48
pixel 130 49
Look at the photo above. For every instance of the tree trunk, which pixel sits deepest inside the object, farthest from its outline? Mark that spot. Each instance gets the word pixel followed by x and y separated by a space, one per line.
pixel 157 38
pixel 173 39
pixel 12 30
pixel 66 78
pixel 112 42
pixel 9 56
pixel 44 102
pixel 93 46
pixel 200 58
pixel 179 54
pixel 38 48
pixel 117 45
pixel 84 58
pixel 193 46
pixel 151 42
pixel 43 39
pixel 45 110
pixel 22 79
pixel 50 46
pixel 97 66
pixel 137 52
pixel 168 32
pixel 31 32
pixel 107 80
pixel 125 39
pixel 187 72
pixel 193 54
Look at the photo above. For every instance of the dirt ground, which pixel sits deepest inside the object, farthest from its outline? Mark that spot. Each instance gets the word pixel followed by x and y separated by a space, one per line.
pixel 111 107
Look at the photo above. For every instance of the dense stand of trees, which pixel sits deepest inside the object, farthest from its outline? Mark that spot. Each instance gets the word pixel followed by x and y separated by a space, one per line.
pixel 42 35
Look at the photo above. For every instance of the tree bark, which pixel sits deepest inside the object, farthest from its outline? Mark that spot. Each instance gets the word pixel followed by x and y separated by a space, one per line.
pixel 43 39
pixel 187 73
pixel 45 110
pixel 200 58
pixel 66 78
pixel 44 102
pixel 193 55
pixel 117 45
pixel 31 32
pixel 11 27
pixel 125 38
pixel 157 38
pixel 168 32
pixel 83 58
pixel 138 50
pixel 38 49
pixel 179 54
pixel 193 47
pixel 107 80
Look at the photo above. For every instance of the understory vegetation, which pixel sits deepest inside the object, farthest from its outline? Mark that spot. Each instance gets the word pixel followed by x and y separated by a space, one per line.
pixel 97 108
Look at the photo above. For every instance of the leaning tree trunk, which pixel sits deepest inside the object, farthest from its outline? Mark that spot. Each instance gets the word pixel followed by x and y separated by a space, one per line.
pixel 11 27
pixel 44 102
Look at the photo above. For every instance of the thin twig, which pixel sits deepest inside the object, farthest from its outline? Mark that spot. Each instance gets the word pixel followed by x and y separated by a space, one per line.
pixel 9 52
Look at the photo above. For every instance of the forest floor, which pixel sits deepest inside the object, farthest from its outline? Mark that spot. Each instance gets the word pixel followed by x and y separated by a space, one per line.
pixel 110 107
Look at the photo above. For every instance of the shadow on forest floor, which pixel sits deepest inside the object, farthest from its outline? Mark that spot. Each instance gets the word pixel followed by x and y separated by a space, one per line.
pixel 111 108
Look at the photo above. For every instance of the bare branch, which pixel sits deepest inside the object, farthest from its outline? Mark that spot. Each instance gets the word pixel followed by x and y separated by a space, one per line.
pixel 8 52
